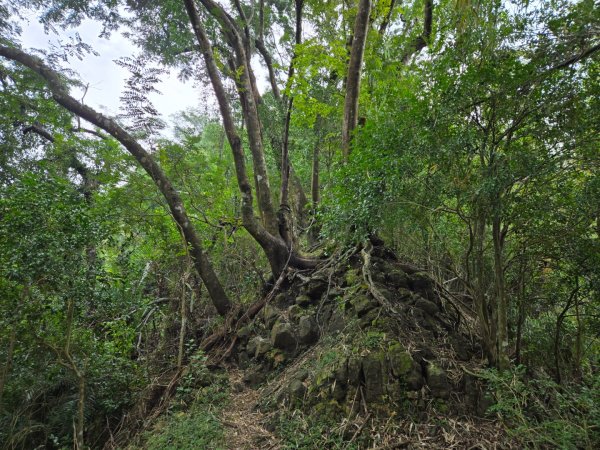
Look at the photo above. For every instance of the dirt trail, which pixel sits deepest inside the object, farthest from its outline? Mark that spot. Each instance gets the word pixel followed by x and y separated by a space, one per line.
pixel 242 422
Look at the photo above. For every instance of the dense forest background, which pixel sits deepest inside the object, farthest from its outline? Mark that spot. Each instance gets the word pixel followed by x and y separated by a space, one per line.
pixel 464 134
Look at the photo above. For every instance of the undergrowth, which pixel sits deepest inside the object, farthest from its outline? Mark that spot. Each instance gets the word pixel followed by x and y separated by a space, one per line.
pixel 542 414
pixel 192 421
pixel 299 431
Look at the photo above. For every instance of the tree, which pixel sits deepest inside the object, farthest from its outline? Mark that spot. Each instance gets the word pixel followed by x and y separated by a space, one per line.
pixel 62 97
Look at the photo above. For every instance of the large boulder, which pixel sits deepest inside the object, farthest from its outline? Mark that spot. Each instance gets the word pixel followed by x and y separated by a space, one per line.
pixel 270 316
pixel 258 346
pixel 362 305
pixel 429 307
pixel 437 380
pixel 372 367
pixel 303 300
pixel 398 278
pixel 308 331
pixel 295 312
pixel 283 336
pixel 315 288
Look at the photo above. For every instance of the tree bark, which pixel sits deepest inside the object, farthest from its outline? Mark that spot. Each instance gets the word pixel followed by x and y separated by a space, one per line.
pixel 275 248
pixel 359 40
pixel 61 96
pixel 260 46
pixel 503 361
pixel 285 212
pixel 245 84
pixel 421 41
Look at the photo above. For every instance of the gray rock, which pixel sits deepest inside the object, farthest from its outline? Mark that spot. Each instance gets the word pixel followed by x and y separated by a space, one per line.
pixel 303 301
pixel 244 332
pixel 421 281
pixel 301 375
pixel 283 337
pixel 254 378
pixel 398 278
pixel 437 380
pixel 338 391
pixel 263 346
pixel 429 307
pixel 316 288
pixel 414 380
pixel 366 321
pixel 335 292
pixel 401 363
pixel 372 371
pixel 294 312
pixel 362 305
pixel 354 371
pixel 378 275
pixel 297 389
pixel 341 373
pixel 270 316
pixel 251 346
pixel 308 331
pixel 244 360
pixel 337 321
pixel 281 301
pixel 424 285
pixel 404 294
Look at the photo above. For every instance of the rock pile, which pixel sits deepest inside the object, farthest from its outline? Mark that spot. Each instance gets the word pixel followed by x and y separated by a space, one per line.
pixel 338 347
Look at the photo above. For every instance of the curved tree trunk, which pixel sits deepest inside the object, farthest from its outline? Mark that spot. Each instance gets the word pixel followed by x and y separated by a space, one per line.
pixel 62 97
pixel 278 253
pixel 245 84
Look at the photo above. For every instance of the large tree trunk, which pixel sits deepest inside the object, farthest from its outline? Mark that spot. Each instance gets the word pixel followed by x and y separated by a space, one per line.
pixel 245 85
pixel 487 330
pixel 285 212
pixel 501 306
pixel 361 26
pixel 278 253
pixel 62 97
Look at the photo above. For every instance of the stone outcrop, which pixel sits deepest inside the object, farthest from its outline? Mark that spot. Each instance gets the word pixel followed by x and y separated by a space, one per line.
pixel 344 347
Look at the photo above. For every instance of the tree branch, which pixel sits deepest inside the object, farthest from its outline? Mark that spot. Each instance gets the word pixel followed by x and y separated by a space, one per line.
pixel 54 81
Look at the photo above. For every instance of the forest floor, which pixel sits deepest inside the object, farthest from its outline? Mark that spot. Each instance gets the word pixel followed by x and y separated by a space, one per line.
pixel 242 421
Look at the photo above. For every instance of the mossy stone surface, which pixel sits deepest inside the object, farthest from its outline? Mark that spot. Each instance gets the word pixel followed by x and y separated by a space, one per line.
pixel 401 363
pixel 283 336
pixel 303 300
pixel 362 305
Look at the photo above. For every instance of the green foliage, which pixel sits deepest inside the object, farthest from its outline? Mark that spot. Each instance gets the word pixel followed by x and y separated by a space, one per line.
pixel 199 426
pixel 539 413
pixel 298 431
pixel 476 158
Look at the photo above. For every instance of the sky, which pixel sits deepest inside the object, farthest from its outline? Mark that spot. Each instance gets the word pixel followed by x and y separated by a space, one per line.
pixel 105 78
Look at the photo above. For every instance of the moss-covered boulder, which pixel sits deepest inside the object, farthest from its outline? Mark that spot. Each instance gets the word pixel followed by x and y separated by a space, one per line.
pixel 398 278
pixel 295 312
pixel 303 301
pixel 362 304
pixel 308 330
pixel 428 306
pixel 352 277
pixel 315 288
pixel 372 368
pixel 283 336
pixel 437 381
pixel 401 363
pixel 270 315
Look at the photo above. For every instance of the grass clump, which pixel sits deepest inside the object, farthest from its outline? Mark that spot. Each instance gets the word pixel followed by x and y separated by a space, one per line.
pixel 193 420
pixel 540 413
